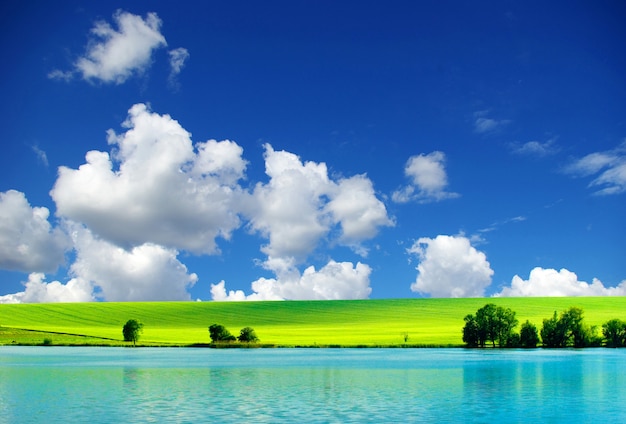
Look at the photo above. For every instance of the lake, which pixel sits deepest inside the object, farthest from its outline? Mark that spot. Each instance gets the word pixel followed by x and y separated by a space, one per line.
pixel 185 385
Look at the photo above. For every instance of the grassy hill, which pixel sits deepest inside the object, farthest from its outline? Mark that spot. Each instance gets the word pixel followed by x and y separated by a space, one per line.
pixel 304 323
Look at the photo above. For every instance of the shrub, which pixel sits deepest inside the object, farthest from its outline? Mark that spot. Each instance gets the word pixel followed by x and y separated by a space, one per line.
pixel 219 333
pixel 247 335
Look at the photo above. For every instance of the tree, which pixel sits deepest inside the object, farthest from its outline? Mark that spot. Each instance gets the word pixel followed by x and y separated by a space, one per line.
pixel 471 332
pixel 505 322
pixel 219 333
pixel 568 329
pixel 576 332
pixel 552 334
pixel 132 330
pixel 491 323
pixel 529 338
pixel 495 323
pixel 614 331
pixel 247 335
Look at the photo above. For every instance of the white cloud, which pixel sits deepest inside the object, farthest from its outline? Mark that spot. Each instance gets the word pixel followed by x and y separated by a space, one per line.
pixel 103 271
pixel 355 206
pixel 178 57
pixel 300 205
pixel 550 282
pixel 113 56
pixel 156 188
pixel 41 155
pixel 450 267
pixel 609 168
pixel 156 194
pixel 144 273
pixel 336 280
pixel 428 179
pixel 38 291
pixel 28 242
pixel 536 148
pixel 288 209
pixel 59 75
pixel 483 124
pixel 297 209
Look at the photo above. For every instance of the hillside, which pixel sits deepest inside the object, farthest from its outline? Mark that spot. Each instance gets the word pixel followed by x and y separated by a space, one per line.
pixel 348 323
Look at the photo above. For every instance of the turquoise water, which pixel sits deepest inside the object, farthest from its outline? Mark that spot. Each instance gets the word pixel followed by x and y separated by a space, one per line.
pixel 114 385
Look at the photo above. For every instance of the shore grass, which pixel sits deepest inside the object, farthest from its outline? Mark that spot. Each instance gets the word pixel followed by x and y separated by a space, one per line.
pixel 354 323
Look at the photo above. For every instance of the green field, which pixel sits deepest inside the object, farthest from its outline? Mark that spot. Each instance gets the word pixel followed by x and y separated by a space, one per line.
pixel 428 322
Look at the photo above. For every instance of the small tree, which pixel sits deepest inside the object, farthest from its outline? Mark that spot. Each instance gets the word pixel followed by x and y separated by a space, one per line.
pixel 529 338
pixel 219 333
pixel 614 332
pixel 132 330
pixel 247 335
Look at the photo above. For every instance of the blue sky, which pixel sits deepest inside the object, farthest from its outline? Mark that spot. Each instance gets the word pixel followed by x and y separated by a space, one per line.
pixel 311 150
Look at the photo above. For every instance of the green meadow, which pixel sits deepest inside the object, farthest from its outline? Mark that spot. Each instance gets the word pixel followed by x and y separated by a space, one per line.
pixel 427 322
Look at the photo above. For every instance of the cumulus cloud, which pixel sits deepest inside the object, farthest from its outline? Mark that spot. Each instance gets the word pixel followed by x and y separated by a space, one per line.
pixel 336 280
pixel 301 204
pixel 428 179
pixel 155 187
pixel 450 267
pixel 104 271
pixel 28 242
pixel 156 194
pixel 296 210
pixel 148 272
pixel 355 207
pixel 550 282
pixel 39 291
pixel 608 169
pixel 113 55
pixel 288 209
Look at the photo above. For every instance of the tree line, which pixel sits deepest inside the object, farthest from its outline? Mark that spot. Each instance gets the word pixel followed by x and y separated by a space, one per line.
pixel 495 325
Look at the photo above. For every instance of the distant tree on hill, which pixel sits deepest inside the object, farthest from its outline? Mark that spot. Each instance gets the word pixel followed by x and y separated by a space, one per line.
pixel 471 333
pixel 132 330
pixel 491 323
pixel 614 331
pixel 568 329
pixel 553 333
pixel 247 335
pixel 219 333
pixel 528 335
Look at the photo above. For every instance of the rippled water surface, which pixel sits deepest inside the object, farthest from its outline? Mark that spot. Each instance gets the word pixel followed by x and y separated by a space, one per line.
pixel 106 385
